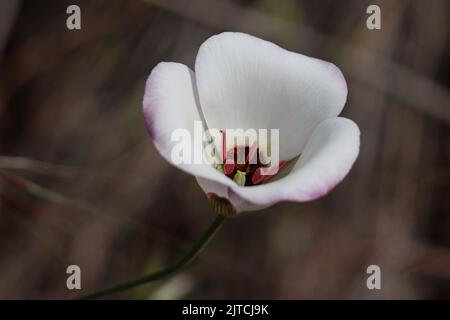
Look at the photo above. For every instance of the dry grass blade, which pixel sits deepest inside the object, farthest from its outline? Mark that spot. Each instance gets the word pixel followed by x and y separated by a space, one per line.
pixel 35 166
pixel 44 193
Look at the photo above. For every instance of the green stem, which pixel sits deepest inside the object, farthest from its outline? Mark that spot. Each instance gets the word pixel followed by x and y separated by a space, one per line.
pixel 188 258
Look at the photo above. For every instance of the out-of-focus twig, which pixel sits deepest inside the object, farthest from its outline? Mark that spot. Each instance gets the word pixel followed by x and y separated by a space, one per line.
pixel 8 13
pixel 431 260
pixel 25 164
pixel 44 193
pixel 23 222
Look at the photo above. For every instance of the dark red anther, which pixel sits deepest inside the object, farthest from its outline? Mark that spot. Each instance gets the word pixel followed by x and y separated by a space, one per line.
pixel 228 168
pixel 258 177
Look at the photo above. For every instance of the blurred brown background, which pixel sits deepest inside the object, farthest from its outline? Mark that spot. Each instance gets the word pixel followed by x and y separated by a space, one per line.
pixel 118 210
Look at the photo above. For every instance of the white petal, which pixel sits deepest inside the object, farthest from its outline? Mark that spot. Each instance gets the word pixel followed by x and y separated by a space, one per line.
pixel 327 158
pixel 169 104
pixel 239 204
pixel 245 82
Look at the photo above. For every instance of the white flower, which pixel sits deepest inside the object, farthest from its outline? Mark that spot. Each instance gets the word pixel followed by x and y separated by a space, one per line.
pixel 241 81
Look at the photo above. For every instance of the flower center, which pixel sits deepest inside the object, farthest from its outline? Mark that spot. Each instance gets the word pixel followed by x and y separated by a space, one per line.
pixel 244 166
